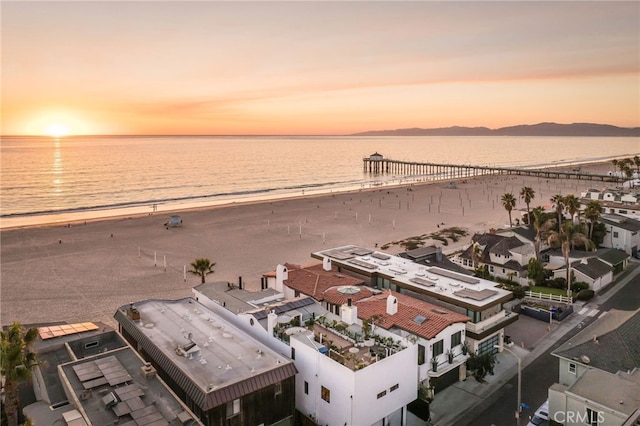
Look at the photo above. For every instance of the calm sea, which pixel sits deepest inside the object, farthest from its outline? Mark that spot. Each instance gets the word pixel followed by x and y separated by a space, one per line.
pixel 46 180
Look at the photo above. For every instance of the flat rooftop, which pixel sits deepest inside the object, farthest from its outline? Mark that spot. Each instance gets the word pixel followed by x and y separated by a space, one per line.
pixel 139 398
pixel 210 351
pixel 438 282
pixel 620 392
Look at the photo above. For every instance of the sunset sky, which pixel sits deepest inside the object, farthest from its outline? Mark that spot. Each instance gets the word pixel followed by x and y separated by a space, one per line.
pixel 331 68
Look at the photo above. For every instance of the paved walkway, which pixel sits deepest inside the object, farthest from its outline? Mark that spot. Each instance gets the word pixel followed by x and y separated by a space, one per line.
pixel 531 339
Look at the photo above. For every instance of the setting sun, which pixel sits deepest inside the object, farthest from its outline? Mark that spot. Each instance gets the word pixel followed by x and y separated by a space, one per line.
pixel 57 130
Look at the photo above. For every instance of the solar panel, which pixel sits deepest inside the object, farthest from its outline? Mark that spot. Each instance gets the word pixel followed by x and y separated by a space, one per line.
pixel 380 256
pixel 453 275
pixel 363 264
pixel 65 329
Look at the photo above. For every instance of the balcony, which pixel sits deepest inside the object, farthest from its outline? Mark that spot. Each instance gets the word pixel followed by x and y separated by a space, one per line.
pixel 490 325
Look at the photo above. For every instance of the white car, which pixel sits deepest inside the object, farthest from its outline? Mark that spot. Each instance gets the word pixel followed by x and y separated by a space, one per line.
pixel 541 417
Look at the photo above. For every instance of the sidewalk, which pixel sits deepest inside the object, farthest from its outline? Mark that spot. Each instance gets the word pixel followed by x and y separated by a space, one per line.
pixel 451 405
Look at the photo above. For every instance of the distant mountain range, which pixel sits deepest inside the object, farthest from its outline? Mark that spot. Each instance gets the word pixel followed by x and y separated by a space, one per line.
pixel 541 129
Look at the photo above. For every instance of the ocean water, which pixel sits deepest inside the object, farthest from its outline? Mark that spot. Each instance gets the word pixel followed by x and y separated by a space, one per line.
pixel 47 180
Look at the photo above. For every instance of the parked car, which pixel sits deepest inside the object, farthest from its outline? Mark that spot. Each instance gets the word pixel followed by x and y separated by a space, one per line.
pixel 541 416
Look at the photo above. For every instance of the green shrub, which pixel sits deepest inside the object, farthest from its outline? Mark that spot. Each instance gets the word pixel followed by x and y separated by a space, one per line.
pixel 585 294
pixel 576 287
pixel 557 283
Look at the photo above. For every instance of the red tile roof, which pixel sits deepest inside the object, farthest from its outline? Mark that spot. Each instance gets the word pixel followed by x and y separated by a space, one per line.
pixel 313 280
pixel 436 318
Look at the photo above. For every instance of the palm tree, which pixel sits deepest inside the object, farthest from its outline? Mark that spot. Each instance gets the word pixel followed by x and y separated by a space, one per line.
pixel 569 236
pixel 572 205
pixel 541 225
pixel 508 202
pixel 202 267
pixel 16 363
pixel 528 194
pixel 592 213
pixel 636 162
pixel 558 202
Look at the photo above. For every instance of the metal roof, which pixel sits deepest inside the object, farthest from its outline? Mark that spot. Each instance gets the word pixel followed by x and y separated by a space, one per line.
pixel 230 364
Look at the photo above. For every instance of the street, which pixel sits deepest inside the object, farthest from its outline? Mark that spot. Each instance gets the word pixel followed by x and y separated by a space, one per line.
pixel 500 408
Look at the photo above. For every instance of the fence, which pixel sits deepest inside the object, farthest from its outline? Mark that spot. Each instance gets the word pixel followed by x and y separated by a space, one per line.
pixel 547 296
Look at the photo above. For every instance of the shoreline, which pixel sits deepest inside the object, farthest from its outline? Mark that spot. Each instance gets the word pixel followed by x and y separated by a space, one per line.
pixel 75 218
pixel 85 272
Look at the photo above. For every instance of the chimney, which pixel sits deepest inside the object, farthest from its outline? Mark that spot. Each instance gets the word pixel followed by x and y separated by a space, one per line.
pixel 392 305
pixel 439 254
pixel 326 264
pixel 349 313
pixel 271 322
pixel 282 274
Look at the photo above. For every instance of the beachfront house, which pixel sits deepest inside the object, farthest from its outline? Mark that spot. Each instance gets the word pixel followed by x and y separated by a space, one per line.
pixel 223 374
pixel 614 201
pixel 340 376
pixel 623 233
pixel 372 327
pixel 504 256
pixel 88 374
pixel 599 379
pixel 478 299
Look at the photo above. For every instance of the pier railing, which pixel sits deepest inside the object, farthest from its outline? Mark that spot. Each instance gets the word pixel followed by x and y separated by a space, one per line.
pixel 440 171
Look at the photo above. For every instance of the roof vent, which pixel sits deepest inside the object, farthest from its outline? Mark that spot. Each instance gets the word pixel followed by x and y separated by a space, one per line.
pixel 585 359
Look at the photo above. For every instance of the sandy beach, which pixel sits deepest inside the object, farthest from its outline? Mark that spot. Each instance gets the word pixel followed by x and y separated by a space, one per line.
pixel 81 271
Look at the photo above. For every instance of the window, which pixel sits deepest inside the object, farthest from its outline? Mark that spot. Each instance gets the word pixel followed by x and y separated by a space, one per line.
pixel 592 417
pixel 325 394
pixel 394 387
pixel 490 268
pixel 615 234
pixel 306 388
pixel 438 348
pixel 572 368
pixel 381 394
pixel 421 354
pixel 293 353
pixel 296 293
pixel 233 408
pixel 503 270
pixel 488 346
pixel 456 339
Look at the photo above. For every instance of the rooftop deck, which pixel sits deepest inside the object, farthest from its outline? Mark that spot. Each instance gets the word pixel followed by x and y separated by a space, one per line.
pixel 435 281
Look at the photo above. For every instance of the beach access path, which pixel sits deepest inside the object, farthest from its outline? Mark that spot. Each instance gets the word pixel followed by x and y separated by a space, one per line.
pixel 84 271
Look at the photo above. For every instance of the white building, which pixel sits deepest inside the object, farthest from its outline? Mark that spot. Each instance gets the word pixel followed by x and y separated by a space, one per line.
pixel 623 233
pixel 597 268
pixel 344 359
pixel 480 300
pixel 505 255
pixel 623 202
pixel 599 379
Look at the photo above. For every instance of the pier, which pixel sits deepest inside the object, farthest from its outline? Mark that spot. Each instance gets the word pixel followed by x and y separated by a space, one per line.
pixel 377 164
